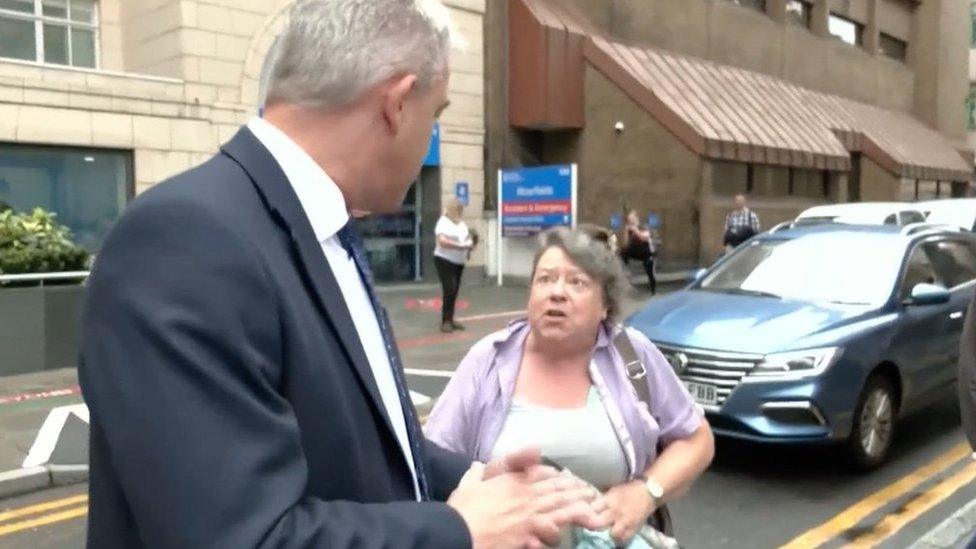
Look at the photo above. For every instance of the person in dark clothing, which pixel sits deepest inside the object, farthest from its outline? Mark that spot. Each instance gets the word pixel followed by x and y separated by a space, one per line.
pixel 640 245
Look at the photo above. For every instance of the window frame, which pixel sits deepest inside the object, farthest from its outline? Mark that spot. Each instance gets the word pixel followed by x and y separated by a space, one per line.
pixel 858 29
pixel 40 20
pixel 806 14
pixel 883 36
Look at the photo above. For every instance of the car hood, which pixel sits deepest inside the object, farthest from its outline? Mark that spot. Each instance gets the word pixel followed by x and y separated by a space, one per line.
pixel 740 323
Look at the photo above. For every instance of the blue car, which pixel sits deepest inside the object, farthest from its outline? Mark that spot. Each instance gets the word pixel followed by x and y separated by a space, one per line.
pixel 822 333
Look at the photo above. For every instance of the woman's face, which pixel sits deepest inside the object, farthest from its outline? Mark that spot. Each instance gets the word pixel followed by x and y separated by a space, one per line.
pixel 632 218
pixel 564 302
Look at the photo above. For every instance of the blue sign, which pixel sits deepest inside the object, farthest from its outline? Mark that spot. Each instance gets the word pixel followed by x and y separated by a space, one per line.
pixel 535 199
pixel 653 221
pixel 433 157
pixel 616 222
pixel 461 192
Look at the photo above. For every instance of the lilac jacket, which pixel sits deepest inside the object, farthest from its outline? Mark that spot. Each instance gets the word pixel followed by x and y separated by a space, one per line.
pixel 469 415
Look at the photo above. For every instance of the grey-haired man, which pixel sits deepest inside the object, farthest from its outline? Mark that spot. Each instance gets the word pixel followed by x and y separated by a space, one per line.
pixel 243 379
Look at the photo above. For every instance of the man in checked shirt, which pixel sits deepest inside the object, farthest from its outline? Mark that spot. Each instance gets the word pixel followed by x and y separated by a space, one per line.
pixel 740 225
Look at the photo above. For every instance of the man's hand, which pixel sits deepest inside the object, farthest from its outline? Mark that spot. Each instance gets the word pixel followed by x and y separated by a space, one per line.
pixel 629 505
pixel 517 504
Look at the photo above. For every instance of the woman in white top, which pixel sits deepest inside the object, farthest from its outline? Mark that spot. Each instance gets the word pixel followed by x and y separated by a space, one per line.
pixel 454 243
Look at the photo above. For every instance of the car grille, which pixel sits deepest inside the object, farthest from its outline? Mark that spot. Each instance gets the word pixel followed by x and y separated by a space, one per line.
pixel 723 370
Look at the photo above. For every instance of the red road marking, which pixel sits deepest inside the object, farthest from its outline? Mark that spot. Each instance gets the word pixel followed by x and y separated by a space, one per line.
pixel 24 397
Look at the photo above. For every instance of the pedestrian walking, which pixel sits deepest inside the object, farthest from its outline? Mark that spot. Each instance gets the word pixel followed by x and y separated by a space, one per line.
pixel 244 384
pixel 558 379
pixel 454 246
pixel 740 225
pixel 641 245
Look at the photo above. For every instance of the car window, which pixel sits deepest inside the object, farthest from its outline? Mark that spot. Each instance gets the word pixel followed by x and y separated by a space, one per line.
pixel 910 216
pixel 891 220
pixel 918 270
pixel 954 261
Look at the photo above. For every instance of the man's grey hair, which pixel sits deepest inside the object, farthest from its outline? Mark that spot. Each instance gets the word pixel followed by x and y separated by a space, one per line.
pixel 594 256
pixel 331 51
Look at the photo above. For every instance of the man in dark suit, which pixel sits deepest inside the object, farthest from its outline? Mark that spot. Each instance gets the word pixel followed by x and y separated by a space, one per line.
pixel 243 380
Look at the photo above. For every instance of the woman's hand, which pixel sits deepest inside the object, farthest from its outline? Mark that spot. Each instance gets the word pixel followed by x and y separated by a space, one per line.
pixel 629 505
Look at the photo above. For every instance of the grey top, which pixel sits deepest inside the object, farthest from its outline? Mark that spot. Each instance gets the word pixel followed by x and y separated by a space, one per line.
pixel 580 439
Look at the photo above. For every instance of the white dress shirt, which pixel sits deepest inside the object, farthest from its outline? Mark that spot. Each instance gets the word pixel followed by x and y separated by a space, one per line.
pixel 326 210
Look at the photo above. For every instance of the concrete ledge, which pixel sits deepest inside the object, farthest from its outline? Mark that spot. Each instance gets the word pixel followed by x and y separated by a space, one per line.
pixel 23 481
pixel 64 475
pixel 34 479
pixel 955 531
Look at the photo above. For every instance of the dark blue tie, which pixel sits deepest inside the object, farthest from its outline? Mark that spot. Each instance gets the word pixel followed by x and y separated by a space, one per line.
pixel 354 246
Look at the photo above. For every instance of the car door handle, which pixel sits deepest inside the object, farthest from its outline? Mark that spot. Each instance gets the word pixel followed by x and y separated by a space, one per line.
pixel 956 315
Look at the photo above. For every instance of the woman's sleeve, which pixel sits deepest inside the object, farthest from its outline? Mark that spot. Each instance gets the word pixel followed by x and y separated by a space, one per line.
pixel 451 424
pixel 676 412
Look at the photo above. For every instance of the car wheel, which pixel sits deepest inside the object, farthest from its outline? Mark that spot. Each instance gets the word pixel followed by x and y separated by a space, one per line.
pixel 874 423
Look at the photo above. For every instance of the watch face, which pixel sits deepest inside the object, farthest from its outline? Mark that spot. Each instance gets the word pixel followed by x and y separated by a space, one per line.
pixel 655 489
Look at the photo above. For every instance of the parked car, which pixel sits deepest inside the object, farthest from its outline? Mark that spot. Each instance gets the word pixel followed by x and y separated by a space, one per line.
pixel 958 212
pixel 862 213
pixel 821 333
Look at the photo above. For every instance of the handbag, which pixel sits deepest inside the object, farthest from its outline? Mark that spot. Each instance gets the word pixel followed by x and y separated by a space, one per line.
pixel 637 373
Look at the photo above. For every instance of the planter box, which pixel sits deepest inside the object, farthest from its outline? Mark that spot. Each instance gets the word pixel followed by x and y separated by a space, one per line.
pixel 39 328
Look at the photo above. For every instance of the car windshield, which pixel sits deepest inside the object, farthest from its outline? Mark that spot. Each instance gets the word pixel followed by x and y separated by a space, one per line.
pixel 856 269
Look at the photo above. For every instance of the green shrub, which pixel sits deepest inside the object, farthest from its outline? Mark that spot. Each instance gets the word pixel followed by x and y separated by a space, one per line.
pixel 35 243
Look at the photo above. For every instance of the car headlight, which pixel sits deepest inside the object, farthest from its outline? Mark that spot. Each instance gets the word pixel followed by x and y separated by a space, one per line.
pixel 796 364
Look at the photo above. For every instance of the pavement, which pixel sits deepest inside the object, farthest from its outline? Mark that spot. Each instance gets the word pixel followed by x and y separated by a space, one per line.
pixel 752 496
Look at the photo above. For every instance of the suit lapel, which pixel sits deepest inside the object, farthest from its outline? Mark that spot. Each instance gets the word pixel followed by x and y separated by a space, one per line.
pixel 271 182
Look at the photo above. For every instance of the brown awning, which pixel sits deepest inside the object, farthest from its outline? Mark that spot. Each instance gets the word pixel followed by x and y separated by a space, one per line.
pixel 718 111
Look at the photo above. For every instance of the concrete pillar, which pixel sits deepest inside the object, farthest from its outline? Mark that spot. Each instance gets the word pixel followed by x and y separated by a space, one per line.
pixel 819 18
pixel 776 10
pixel 872 33
pixel 939 55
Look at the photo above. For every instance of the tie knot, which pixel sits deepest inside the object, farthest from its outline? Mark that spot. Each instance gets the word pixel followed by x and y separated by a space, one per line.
pixel 349 238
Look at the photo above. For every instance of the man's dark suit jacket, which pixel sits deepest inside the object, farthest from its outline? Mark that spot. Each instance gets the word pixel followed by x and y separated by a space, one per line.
pixel 967 375
pixel 232 403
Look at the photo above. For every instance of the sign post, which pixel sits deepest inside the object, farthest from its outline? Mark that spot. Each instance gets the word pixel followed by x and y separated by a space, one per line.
pixel 462 192
pixel 531 200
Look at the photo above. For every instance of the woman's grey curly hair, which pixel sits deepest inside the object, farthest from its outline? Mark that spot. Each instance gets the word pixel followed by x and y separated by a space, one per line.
pixel 589 249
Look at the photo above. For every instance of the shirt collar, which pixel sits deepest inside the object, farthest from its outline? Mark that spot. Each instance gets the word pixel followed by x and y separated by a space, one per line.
pixel 318 194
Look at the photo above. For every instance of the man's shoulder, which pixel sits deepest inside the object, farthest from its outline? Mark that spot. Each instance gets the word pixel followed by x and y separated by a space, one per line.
pixel 217 192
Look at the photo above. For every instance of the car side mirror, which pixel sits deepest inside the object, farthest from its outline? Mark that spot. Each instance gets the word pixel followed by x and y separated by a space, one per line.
pixel 928 294
pixel 698 275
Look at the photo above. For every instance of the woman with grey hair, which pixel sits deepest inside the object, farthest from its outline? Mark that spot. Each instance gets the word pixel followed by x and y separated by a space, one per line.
pixel 557 381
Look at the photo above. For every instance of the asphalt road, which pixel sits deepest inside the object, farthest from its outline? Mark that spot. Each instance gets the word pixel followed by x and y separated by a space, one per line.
pixel 754 496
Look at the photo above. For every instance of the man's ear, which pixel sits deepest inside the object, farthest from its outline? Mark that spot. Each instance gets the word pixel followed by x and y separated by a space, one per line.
pixel 395 96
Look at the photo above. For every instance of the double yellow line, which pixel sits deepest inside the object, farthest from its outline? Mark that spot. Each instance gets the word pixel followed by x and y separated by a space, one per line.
pixel 43 514
pixel 891 524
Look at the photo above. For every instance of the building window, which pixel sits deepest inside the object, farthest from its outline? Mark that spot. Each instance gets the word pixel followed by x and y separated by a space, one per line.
pixel 86 188
pixel 972 17
pixel 893 47
pixel 759 5
pixel 971 109
pixel 799 12
pixel 847 30
pixel 58 32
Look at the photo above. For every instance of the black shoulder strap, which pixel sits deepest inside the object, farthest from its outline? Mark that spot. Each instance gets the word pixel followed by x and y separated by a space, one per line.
pixel 636 372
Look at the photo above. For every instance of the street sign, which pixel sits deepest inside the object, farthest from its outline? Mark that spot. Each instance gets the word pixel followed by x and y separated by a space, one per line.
pixel 531 200
pixel 433 157
pixel 616 222
pixel 536 199
pixel 653 221
pixel 462 192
